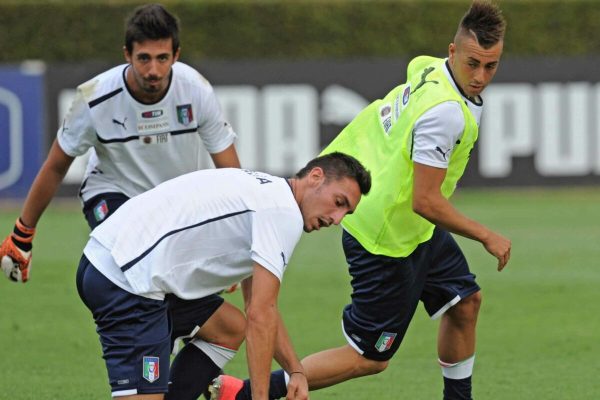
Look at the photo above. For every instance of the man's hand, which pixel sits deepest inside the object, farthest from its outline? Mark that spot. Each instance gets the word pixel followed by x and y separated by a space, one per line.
pixel 297 387
pixel 15 253
pixel 498 246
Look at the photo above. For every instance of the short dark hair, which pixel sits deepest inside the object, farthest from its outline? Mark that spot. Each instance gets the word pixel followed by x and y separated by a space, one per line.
pixel 486 21
pixel 151 22
pixel 338 165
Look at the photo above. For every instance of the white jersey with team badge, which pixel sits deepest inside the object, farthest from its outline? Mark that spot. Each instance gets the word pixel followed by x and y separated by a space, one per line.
pixel 136 145
pixel 198 234
pixel 437 131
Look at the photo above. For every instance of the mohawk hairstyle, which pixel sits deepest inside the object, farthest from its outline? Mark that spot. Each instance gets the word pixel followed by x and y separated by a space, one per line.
pixel 485 20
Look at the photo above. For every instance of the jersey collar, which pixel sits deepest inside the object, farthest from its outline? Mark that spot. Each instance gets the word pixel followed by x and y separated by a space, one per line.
pixel 131 92
pixel 478 101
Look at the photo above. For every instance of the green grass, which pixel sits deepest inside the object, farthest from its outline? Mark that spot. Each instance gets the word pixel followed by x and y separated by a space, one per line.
pixel 538 334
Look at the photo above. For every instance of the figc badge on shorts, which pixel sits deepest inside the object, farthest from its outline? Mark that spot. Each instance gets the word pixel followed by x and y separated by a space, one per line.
pixel 385 341
pixel 151 369
pixel 101 210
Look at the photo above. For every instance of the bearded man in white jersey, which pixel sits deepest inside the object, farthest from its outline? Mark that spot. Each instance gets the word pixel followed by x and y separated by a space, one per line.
pixel 180 240
pixel 146 121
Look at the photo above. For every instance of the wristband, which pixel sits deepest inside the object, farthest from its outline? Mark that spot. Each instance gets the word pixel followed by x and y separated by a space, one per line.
pixel 22 235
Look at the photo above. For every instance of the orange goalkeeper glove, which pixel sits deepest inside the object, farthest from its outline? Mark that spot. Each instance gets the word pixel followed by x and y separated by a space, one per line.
pixel 15 253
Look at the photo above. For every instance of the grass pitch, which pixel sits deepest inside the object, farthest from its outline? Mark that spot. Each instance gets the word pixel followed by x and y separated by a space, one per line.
pixel 538 332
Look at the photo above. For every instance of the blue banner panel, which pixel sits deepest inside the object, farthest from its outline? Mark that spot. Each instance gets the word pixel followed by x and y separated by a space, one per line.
pixel 21 129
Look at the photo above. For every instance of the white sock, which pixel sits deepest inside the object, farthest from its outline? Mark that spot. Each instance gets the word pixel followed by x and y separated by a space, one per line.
pixel 459 370
pixel 218 354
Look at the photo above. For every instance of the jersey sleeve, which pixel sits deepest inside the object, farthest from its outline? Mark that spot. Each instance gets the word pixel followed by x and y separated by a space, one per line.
pixel 436 133
pixel 77 134
pixel 275 234
pixel 216 133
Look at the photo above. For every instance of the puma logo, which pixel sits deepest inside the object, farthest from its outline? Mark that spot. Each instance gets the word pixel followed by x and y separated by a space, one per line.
pixel 64 126
pixel 442 152
pixel 424 80
pixel 120 123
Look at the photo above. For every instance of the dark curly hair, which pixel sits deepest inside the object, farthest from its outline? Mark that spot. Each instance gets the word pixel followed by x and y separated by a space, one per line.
pixel 151 22
pixel 338 165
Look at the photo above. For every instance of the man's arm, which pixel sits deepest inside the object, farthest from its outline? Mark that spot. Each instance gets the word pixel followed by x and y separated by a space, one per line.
pixel 287 358
pixel 45 185
pixel 284 352
pixel 15 250
pixel 429 203
pixel 227 158
pixel 261 327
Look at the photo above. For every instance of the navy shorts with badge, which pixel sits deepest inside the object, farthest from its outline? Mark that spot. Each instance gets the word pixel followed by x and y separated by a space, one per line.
pixel 136 333
pixel 102 206
pixel 387 290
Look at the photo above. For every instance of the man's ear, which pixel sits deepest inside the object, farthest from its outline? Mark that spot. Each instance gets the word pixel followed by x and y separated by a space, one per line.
pixel 451 53
pixel 316 176
pixel 126 55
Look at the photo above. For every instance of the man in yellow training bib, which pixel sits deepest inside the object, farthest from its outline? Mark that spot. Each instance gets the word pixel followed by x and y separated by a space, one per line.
pixel 416 142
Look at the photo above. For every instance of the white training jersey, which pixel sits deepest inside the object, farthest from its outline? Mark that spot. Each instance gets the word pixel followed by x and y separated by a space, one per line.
pixel 198 234
pixel 438 129
pixel 136 145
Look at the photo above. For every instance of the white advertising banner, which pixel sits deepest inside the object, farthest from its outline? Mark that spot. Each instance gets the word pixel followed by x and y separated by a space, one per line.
pixel 540 124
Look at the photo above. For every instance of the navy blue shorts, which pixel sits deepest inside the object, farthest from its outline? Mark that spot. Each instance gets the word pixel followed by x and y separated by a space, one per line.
pixel 187 314
pixel 387 290
pixel 136 333
pixel 100 207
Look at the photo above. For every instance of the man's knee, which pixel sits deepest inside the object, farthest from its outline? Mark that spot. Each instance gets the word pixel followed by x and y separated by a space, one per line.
pixel 466 310
pixel 364 366
pixel 235 328
pixel 226 327
pixel 237 321
pixel 472 303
